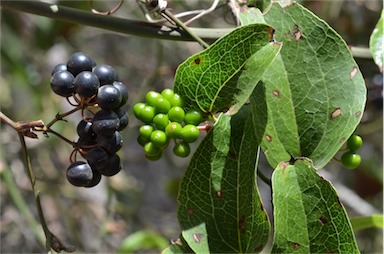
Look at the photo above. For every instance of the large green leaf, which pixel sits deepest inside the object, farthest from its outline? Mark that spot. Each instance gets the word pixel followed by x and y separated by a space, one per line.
pixel 314 91
pixel 309 217
pixel 376 42
pixel 218 193
pixel 209 80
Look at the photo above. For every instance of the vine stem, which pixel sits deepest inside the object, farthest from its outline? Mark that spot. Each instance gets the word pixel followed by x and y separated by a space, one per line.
pixel 126 26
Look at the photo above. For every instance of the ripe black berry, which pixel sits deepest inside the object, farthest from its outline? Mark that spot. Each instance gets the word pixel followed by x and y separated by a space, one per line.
pixel 62 83
pixel 97 157
pixel 105 73
pixel 96 178
pixel 59 67
pixel 123 117
pixel 108 97
pixel 123 91
pixel 79 62
pixel 79 173
pixel 86 84
pixel 113 166
pixel 105 122
pixel 111 144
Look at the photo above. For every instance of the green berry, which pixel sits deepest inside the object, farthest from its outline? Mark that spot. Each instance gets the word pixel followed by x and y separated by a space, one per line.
pixel 354 142
pixel 159 138
pixel 190 133
pixel 141 141
pixel 182 149
pixel 161 121
pixel 151 98
pixel 162 105
pixel 351 160
pixel 176 100
pixel 173 130
pixel 154 158
pixel 152 150
pixel 168 94
pixel 193 117
pixel 147 114
pixel 145 131
pixel 137 109
pixel 176 114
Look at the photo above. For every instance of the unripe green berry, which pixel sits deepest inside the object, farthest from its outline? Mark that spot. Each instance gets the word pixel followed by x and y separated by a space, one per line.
pixel 351 160
pixel 173 130
pixel 151 98
pixel 193 117
pixel 145 131
pixel 161 121
pixel 176 114
pixel 162 105
pixel 182 149
pixel 137 109
pixel 141 141
pixel 159 138
pixel 152 150
pixel 147 114
pixel 354 143
pixel 154 158
pixel 190 133
pixel 167 93
pixel 176 100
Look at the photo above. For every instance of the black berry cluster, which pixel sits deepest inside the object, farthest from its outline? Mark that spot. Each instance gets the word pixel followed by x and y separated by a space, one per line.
pixel 165 119
pixel 96 91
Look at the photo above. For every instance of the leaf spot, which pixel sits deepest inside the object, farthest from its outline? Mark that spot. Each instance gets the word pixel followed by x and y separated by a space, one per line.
pixel 357 114
pixel 197 60
pixel 353 72
pixel 219 194
pixel 296 34
pixel 268 138
pixel 276 93
pixel 190 211
pixel 197 237
pixel 323 220
pixel 284 166
pixel 296 246
pixel 242 224
pixel 342 140
pixel 336 113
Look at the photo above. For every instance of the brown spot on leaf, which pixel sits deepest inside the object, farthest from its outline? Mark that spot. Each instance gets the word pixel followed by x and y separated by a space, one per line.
pixel 353 72
pixel 284 166
pixel 271 32
pixel 336 113
pixel 357 114
pixel 342 140
pixel 197 237
pixel 219 194
pixel 323 220
pixel 268 138
pixel 190 211
pixel 197 60
pixel 242 224
pixel 296 33
pixel 296 246
pixel 276 93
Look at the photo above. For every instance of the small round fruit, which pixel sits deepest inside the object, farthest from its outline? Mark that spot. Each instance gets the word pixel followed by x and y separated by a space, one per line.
pixel 176 114
pixel 97 157
pixel 167 93
pixel 159 138
pixel 105 73
pixel 79 62
pixel 173 130
pixel 151 98
pixel 161 121
pixel 145 131
pixel 189 133
pixel 85 131
pixel 182 149
pixel 141 141
pixel 123 91
pixel 162 105
pixel 176 100
pixel 137 109
pixel 105 122
pixel 154 158
pixel 152 150
pixel 147 114
pixel 354 143
pixel 95 179
pixel 193 117
pixel 351 160
pixel 86 84
pixel 113 166
pixel 123 118
pixel 62 83
pixel 111 144
pixel 59 67
pixel 79 173
pixel 108 97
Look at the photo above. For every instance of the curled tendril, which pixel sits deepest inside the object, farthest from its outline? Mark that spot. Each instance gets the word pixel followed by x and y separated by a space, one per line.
pixel 113 10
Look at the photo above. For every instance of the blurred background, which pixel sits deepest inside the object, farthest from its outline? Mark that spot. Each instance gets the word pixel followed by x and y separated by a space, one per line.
pixel 139 204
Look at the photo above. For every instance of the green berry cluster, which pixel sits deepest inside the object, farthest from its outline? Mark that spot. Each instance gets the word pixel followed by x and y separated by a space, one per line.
pixel 165 119
pixel 350 158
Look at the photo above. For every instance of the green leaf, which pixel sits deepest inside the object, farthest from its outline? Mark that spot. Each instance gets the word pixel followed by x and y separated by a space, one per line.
pixel 208 80
pixel 309 217
pixel 219 191
pixel 376 42
pixel 143 240
pixel 373 221
pixel 314 91
pixel 249 16
pixel 197 238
